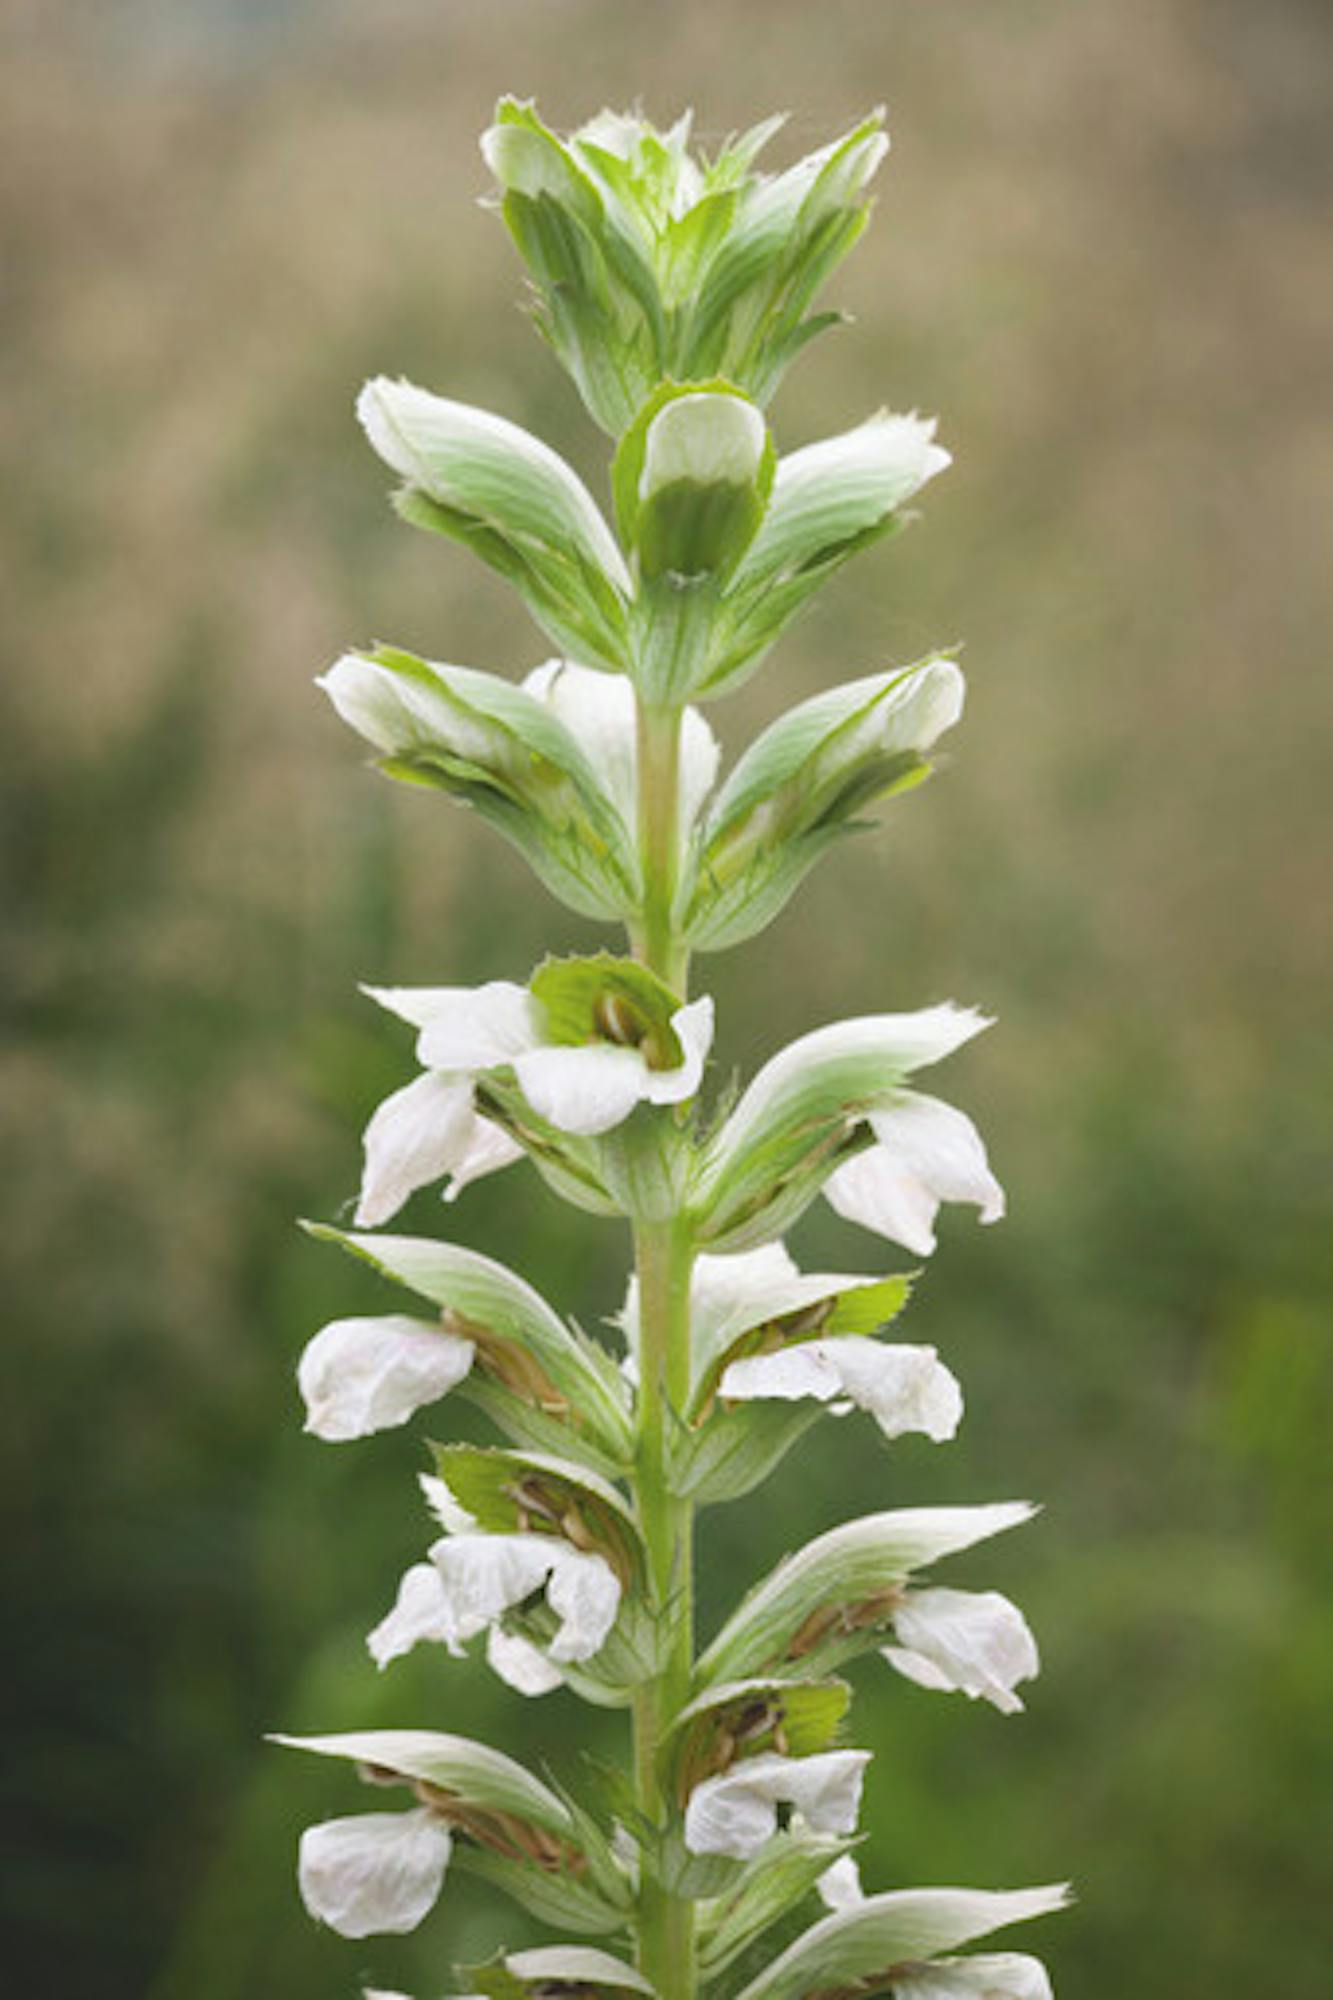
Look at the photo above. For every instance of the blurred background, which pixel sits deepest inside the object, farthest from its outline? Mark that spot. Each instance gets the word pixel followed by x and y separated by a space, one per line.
pixel 1101 254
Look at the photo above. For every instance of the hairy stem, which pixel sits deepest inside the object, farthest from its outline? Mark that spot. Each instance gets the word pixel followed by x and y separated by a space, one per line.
pixel 654 939
pixel 663 1255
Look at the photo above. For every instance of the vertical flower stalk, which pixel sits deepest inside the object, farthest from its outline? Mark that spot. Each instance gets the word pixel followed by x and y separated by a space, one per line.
pixel 675 289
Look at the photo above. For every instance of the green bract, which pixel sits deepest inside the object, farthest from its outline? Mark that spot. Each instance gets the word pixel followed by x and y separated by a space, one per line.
pixel 675 288
pixel 649 263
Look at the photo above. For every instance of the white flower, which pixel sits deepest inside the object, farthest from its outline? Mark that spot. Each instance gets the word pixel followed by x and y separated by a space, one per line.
pixel 704 438
pixel 903 1388
pixel 420 1612
pixel 521 1665
pixel 363 1375
pixel 925 1152
pixel 431 1127
pixel 990 1975
pixel 840 1885
pixel 374 1872
pixel 484 465
pixel 473 1579
pixel 971 1642
pixel 426 1130
pixel 737 1812
pixel 599 712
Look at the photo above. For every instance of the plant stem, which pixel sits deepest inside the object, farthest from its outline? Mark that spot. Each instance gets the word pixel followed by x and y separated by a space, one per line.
pixel 655 940
pixel 664 1255
pixel 663 1258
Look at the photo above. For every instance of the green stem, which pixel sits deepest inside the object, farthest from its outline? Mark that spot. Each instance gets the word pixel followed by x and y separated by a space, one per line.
pixel 655 940
pixel 663 1259
pixel 664 1256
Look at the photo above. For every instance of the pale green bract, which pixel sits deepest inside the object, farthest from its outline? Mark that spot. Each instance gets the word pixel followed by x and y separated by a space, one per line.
pixel 675 288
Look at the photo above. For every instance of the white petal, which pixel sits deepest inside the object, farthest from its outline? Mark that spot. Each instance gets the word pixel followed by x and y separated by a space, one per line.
pixel 974 1642
pixel 693 1028
pixel 736 1292
pixel 585 1090
pixel 584 1593
pixel 874 1190
pixel 942 1147
pixel 736 1813
pixel 422 436
pixel 465 1027
pixel 840 1885
pixel 700 755
pixel 990 1975
pixel 707 438
pixel 414 1138
pixel 455 1520
pixel 372 701
pixel 485 1149
pixel 520 1664
pixel 419 1613
pixel 486 1575
pixel 375 1872
pixel 598 710
pixel 897 453
pixel 363 1375
pixel 903 1388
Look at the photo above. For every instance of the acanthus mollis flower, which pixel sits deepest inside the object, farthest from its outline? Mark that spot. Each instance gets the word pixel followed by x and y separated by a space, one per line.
pixel 736 1813
pixel 761 1328
pixel 926 1152
pixel 479 1571
pixel 373 1873
pixel 964 1641
pixel 472 1580
pixel 832 1112
pixel 369 1374
pixel 586 1041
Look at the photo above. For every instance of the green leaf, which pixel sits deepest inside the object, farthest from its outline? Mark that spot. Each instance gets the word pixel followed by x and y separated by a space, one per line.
pixel 736 1450
pixel 558 1898
pixel 550 1970
pixel 786 1870
pixel 469 1772
pixel 606 998
pixel 521 1342
pixel 832 1596
pixel 861 1946
pixel 828 758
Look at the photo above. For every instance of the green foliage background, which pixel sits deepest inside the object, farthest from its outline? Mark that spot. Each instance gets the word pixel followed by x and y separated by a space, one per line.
pixel 1099 255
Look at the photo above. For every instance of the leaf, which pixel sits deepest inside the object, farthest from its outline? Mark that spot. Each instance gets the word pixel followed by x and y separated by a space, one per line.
pixel 561 1899
pixel 551 1969
pixel 736 1450
pixel 454 1765
pixel 865 1943
pixel 785 1872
